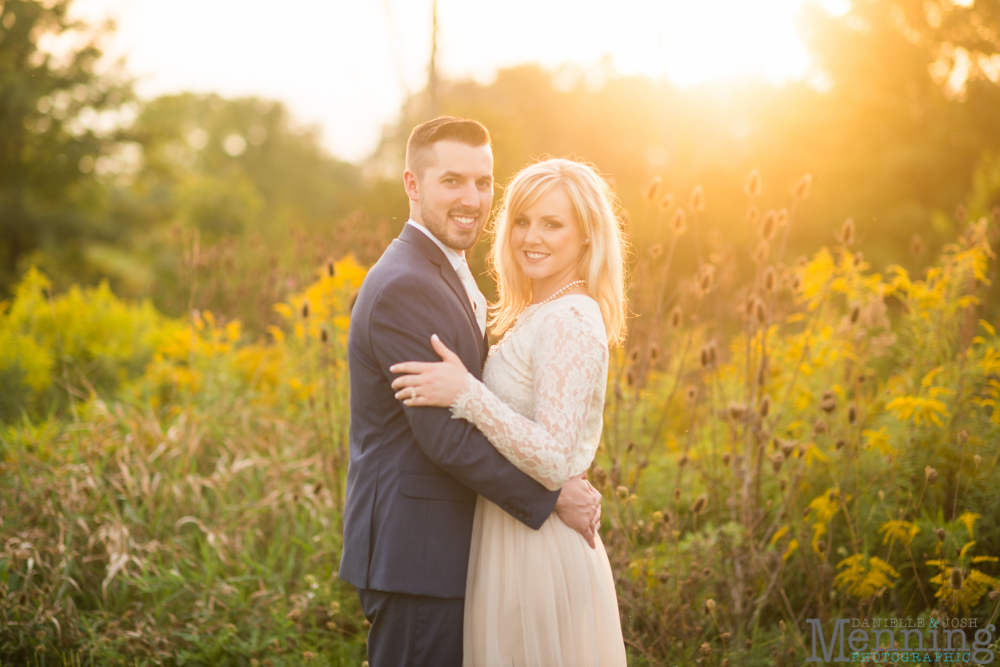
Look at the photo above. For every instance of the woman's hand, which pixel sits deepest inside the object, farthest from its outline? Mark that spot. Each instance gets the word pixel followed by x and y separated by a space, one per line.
pixel 431 384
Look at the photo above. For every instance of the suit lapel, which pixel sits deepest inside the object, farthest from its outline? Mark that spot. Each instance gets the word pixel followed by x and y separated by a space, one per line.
pixel 434 254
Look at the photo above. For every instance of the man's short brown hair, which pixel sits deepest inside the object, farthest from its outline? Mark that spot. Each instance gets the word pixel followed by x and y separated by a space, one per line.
pixel 443 128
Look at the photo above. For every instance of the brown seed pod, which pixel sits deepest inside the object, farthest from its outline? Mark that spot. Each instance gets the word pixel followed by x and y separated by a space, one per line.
pixel 629 377
pixel 655 250
pixel 677 494
pixel 788 447
pixel 760 311
pixel 330 269
pixel 706 279
pixel 801 189
pixel 846 235
pixel 940 534
pixel 654 353
pixel 676 317
pixel 324 337
pixel 930 475
pixel 634 355
pixel 754 185
pixel 855 313
pixel 679 222
pixel 726 458
pixel 753 214
pixel 963 437
pixel 699 504
pixel 782 217
pixel 737 411
pixel 600 476
pixel 622 492
pixel 776 460
pixel 683 461
pixel 770 281
pixel 691 394
pixel 667 202
pixel 852 414
pixel 806 512
pixel 697 200
pixel 765 406
pixel 829 402
pixel 840 444
pixel 769 225
pixel 761 252
pixel 916 246
pixel 653 189
pixel 820 427
pixel 956 578
pixel 305 310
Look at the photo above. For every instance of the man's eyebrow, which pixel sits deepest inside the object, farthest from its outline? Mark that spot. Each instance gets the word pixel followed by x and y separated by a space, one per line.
pixel 456 174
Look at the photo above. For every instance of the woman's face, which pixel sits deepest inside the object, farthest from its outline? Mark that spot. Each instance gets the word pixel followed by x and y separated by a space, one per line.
pixel 547 242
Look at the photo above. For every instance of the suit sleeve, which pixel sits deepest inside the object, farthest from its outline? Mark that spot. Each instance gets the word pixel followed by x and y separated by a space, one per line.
pixel 402 322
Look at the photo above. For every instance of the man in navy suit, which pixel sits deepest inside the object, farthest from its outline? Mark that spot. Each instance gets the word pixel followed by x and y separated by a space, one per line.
pixel 414 472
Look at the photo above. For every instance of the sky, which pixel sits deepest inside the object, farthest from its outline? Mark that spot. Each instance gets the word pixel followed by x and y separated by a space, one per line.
pixel 347 65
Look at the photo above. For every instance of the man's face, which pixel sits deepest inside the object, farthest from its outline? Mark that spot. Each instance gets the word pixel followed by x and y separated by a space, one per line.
pixel 454 193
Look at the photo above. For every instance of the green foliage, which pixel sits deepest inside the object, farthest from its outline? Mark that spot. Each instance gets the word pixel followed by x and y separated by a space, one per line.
pixel 58 133
pixel 58 349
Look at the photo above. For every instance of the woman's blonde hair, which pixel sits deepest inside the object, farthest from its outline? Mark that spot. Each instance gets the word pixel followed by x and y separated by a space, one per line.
pixel 602 262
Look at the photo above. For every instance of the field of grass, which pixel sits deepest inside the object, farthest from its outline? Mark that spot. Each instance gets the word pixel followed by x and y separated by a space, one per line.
pixel 790 440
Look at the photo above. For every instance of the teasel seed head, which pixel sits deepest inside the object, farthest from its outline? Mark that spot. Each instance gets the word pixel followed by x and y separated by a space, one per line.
pixel 820 427
pixel 963 437
pixel 667 202
pixel 697 201
pixel 629 377
pixel 776 460
pixel 829 402
pixel 705 648
pixel 655 250
pixel 634 355
pixel 977 459
pixel 691 394
pixel 769 225
pixel 930 475
pixel 682 461
pixel 753 214
pixel 855 313
pixel 801 189
pixel 770 280
pixel 676 317
pixel 706 279
pixel 711 353
pixel 699 504
pixel 704 356
pixel 806 512
pixel 331 271
pixel 653 189
pixel 763 372
pixel 737 410
pixel 840 444
pixel 846 236
pixel 677 494
pixel 622 492
pixel 940 534
pixel 852 414
pixel 765 406
pixel 710 606
pixel 760 311
pixel 324 337
pixel 654 353
pixel 916 246
pixel 726 458
pixel 761 252
pixel 788 447
pixel 305 310
pixel 663 576
pixel 754 184
pixel 956 578
pixel 679 222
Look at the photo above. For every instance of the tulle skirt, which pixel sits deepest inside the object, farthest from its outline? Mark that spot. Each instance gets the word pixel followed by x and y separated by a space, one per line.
pixel 538 598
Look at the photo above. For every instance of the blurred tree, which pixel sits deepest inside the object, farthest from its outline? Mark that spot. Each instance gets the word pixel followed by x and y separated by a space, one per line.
pixel 59 117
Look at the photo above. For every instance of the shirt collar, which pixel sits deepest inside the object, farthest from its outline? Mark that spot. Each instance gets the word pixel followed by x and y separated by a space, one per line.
pixel 454 257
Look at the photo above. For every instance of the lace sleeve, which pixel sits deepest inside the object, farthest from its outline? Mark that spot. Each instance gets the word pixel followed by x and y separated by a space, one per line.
pixel 568 360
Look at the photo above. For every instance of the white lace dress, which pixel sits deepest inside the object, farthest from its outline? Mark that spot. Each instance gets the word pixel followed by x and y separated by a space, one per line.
pixel 541 597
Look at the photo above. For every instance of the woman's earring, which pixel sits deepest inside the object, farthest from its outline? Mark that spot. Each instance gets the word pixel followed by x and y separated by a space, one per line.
pixel 586 241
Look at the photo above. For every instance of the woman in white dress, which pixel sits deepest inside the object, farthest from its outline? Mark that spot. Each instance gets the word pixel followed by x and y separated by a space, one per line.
pixel 540 597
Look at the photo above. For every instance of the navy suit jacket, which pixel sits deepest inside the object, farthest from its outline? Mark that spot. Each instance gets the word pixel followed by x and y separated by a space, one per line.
pixel 414 473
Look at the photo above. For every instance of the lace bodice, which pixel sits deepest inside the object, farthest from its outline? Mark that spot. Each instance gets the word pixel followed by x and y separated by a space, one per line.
pixel 541 402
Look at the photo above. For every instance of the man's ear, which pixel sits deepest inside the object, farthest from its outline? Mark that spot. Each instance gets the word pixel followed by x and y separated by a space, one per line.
pixel 411 185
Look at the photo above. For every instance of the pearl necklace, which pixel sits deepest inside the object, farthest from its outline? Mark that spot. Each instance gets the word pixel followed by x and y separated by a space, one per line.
pixel 517 325
pixel 561 291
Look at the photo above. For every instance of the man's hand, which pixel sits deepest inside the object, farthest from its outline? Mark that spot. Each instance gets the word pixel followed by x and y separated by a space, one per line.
pixel 579 507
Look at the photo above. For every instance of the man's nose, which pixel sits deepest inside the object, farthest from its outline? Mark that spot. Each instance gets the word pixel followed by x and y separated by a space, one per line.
pixel 469 195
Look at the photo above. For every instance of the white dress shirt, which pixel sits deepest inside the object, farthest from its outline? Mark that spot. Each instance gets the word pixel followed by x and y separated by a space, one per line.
pixel 457 261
